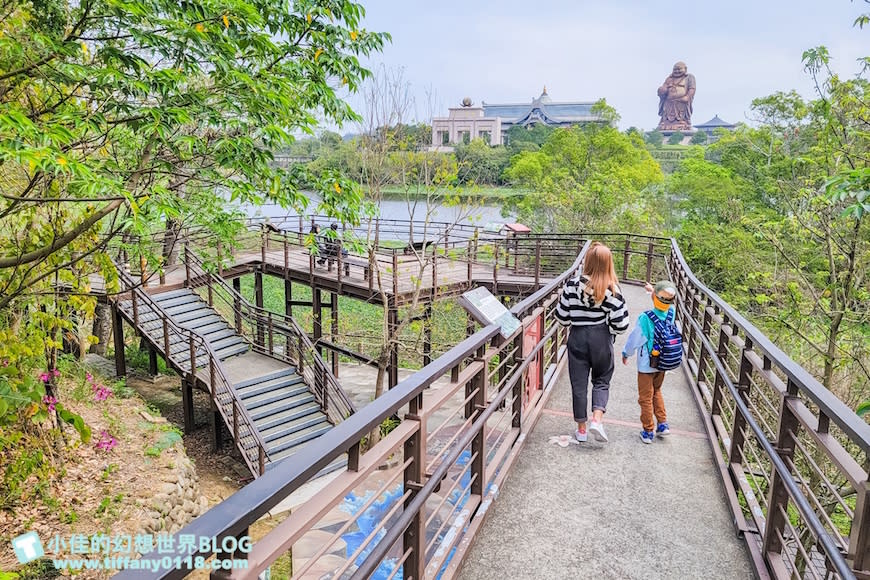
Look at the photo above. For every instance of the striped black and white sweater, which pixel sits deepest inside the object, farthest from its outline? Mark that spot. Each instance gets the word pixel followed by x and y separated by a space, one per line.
pixel 577 307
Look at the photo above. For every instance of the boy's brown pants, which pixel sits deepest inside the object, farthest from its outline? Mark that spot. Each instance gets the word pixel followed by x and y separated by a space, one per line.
pixel 649 395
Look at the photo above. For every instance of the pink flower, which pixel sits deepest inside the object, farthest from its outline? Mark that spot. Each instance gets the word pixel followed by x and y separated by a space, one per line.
pixel 50 402
pixel 55 372
pixel 106 442
pixel 89 377
pixel 101 393
pixel 44 377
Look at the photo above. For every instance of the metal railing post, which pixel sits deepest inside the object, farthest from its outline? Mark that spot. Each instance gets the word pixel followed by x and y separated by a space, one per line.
pixel 414 538
pixel 735 454
pixel 625 258
pixel 395 274
pixel 166 351
pixel 778 498
pixel 537 263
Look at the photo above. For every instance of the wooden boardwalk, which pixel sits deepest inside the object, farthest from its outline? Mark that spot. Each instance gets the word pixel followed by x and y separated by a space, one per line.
pixel 439 276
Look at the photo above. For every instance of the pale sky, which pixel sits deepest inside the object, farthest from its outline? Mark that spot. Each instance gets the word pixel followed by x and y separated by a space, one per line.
pixel 582 50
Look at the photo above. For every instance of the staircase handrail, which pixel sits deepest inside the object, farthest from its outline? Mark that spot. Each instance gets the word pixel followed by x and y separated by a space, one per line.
pixel 333 395
pixel 193 337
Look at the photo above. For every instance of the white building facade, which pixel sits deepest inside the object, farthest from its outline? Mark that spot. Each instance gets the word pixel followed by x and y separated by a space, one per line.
pixel 491 122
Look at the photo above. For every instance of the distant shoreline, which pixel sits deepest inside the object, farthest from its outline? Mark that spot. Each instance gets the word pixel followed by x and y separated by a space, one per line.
pixel 488 193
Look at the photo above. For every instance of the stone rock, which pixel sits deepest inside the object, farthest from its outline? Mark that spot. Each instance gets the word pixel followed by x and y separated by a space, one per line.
pixel 161 505
pixel 172 478
pixel 168 488
pixel 189 506
pixel 176 514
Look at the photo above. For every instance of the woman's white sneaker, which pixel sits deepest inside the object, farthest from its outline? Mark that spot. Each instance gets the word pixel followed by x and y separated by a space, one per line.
pixel 580 436
pixel 597 430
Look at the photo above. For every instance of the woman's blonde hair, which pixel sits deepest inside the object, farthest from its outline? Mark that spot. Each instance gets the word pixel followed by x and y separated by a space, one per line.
pixel 598 268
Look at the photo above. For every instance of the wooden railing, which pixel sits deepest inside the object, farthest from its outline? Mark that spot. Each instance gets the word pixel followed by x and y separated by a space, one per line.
pixel 272 334
pixel 194 359
pixel 793 457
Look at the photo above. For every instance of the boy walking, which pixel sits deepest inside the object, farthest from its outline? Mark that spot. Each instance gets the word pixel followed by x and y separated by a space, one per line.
pixel 666 351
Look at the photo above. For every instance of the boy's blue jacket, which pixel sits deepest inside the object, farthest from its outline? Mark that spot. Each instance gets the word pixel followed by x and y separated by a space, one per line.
pixel 641 340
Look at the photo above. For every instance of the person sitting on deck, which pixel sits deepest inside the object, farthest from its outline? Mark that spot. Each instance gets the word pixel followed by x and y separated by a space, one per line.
pixel 328 246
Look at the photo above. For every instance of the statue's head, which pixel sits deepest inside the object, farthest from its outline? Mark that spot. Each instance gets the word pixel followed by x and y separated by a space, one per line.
pixel 679 69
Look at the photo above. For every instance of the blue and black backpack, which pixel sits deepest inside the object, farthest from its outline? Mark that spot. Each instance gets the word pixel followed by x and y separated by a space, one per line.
pixel 667 340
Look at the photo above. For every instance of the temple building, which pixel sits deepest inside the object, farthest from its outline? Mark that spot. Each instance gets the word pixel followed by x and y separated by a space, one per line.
pixel 715 123
pixel 491 121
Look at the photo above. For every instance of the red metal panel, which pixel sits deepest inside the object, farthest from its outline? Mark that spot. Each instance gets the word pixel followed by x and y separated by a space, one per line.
pixel 531 336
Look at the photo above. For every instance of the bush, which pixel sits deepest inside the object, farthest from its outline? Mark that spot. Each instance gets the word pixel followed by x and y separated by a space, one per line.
pixel 699 138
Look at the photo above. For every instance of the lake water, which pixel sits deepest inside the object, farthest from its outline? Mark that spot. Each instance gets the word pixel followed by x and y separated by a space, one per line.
pixel 472 214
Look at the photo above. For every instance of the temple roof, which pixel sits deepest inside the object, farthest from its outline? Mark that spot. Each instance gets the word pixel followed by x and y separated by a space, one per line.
pixel 543 107
pixel 715 122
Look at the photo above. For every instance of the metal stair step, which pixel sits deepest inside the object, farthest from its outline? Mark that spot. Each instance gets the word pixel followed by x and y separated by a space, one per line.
pixel 218 334
pixel 175 311
pixel 299 437
pixel 178 300
pixel 161 296
pixel 268 386
pixel 231 351
pixel 227 341
pixel 289 427
pixel 263 412
pixel 287 415
pixel 198 323
pixel 263 378
pixel 197 314
pixel 338 463
pixel 276 395
pixel 213 327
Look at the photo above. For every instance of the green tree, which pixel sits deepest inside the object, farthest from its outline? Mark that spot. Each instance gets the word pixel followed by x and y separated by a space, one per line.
pixel 529 138
pixel 585 178
pixel 699 138
pixel 117 117
pixel 654 138
pixel 481 164
pixel 676 138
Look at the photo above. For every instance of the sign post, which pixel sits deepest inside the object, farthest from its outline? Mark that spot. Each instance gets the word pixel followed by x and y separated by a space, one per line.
pixel 487 309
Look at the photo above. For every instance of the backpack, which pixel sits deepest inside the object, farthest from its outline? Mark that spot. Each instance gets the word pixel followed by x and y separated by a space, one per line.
pixel 667 340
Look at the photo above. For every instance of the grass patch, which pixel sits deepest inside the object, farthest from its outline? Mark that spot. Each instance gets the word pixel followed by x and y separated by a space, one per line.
pixel 170 435
pixel 361 324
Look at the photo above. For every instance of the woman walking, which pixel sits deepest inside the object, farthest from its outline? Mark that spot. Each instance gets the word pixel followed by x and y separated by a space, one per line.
pixel 592 305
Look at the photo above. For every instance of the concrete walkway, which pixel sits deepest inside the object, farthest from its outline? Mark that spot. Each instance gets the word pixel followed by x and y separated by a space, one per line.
pixel 612 510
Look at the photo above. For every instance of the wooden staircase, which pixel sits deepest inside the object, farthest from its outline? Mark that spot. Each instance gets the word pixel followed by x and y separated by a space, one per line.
pixel 269 407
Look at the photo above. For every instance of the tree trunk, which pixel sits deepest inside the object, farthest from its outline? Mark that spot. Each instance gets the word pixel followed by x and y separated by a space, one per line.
pixel 102 328
pixel 375 434
pixel 170 242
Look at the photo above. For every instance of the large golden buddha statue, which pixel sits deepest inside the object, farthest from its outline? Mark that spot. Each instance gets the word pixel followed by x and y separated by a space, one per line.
pixel 675 100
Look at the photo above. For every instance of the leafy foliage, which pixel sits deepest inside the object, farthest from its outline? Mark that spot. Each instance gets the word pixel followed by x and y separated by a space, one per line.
pixel 584 178
pixel 119 116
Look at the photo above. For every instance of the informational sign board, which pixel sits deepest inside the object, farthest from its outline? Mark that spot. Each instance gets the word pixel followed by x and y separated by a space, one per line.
pixel 487 309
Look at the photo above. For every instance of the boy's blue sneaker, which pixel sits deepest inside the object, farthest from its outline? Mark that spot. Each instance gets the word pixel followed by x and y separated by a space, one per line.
pixel 663 430
pixel 647 436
